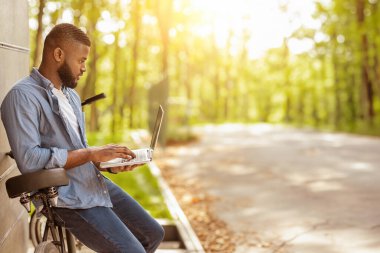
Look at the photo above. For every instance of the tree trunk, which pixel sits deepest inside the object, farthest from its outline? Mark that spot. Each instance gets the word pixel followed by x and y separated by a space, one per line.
pixel 366 82
pixel 135 53
pixel 115 95
pixel 164 9
pixel 228 82
pixel 287 82
pixel 164 12
pixel 337 80
pixel 88 88
pixel 375 46
pixel 314 97
pixel 38 50
pixel 216 80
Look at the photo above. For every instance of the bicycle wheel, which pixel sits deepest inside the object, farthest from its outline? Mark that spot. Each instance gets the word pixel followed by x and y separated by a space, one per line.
pixel 46 247
pixel 36 232
pixel 36 228
pixel 72 242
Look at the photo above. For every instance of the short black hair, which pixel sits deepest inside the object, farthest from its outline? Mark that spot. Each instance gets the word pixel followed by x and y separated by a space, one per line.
pixel 65 32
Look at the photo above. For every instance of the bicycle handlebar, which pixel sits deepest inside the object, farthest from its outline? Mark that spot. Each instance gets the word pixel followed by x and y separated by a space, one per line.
pixel 93 99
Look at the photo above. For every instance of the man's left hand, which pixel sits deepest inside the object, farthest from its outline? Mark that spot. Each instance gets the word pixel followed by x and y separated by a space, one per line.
pixel 125 168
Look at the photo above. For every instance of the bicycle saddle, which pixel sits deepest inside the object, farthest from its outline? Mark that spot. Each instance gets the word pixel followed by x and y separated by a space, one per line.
pixel 35 181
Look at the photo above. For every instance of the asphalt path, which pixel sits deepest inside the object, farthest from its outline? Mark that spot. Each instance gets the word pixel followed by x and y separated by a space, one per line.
pixel 288 190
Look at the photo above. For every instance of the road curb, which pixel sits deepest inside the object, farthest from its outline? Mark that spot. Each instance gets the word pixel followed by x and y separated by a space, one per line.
pixel 186 232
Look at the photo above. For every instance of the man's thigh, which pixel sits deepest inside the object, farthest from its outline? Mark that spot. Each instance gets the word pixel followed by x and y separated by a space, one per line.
pixel 100 229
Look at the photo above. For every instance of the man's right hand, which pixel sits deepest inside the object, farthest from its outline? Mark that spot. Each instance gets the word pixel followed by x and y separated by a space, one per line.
pixel 110 151
pixel 97 154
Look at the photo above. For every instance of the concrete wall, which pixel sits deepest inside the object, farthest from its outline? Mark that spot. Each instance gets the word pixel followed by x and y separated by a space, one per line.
pixel 14 64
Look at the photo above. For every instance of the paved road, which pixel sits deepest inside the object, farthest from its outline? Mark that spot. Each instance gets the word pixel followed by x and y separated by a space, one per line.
pixel 285 190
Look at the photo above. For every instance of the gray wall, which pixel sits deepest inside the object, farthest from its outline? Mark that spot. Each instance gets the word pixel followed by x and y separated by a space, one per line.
pixel 14 64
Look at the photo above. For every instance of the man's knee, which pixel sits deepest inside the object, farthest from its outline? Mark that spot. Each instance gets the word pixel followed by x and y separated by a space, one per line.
pixel 159 233
pixel 156 236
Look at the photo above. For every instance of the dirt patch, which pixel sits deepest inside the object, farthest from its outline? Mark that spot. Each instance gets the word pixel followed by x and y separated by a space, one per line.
pixel 212 232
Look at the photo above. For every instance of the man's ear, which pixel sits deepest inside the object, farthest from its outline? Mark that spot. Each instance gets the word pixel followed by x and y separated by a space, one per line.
pixel 59 55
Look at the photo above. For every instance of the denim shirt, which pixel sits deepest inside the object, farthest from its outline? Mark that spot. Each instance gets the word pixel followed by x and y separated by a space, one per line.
pixel 40 138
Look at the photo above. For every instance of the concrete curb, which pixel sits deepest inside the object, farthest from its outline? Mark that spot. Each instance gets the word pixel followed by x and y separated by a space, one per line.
pixel 187 234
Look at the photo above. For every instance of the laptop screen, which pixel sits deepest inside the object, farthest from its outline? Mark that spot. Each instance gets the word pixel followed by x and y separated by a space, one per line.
pixel 157 127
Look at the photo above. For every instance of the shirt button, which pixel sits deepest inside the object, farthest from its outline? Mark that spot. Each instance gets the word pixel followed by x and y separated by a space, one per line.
pixel 98 175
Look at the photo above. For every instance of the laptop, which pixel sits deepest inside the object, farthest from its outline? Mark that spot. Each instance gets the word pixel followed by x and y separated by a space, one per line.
pixel 143 155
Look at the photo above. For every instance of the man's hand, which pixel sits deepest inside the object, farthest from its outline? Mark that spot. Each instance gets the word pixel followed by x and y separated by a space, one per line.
pixel 124 168
pixel 110 151
pixel 97 154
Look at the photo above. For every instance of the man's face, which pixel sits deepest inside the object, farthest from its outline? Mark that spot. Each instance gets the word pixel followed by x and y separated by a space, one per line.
pixel 73 65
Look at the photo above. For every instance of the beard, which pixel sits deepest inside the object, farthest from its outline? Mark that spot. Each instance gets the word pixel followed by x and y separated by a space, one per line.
pixel 67 77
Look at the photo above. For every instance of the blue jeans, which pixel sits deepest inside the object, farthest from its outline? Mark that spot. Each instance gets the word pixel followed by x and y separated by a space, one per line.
pixel 126 227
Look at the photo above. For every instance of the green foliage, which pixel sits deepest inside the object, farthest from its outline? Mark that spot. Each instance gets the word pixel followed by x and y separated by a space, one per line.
pixel 142 45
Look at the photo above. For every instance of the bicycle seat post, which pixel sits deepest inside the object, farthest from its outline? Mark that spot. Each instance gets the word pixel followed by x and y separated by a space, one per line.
pixel 25 201
pixel 52 195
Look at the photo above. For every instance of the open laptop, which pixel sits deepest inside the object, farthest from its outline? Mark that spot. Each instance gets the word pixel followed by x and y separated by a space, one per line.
pixel 143 155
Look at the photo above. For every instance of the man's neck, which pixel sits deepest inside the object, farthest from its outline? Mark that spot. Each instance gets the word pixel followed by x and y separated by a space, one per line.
pixel 51 75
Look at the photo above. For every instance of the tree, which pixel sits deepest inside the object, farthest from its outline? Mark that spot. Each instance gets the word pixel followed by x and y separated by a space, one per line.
pixel 38 39
pixel 365 67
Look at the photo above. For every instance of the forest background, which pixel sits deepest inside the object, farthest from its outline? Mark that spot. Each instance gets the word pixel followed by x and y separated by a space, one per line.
pixel 203 61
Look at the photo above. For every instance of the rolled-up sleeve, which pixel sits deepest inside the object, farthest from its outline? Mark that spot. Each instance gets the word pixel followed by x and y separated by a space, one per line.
pixel 57 159
pixel 20 114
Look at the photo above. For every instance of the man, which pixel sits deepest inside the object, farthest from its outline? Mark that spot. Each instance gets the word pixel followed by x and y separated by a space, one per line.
pixel 44 123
